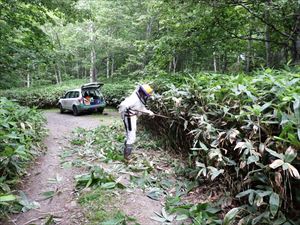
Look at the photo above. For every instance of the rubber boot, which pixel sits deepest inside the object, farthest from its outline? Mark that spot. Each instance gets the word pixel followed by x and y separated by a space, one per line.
pixel 127 151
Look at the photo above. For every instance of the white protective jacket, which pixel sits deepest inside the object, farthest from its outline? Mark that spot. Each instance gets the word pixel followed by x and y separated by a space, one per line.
pixel 133 105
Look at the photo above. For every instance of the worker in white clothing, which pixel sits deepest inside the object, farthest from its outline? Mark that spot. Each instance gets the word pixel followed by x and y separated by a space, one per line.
pixel 130 109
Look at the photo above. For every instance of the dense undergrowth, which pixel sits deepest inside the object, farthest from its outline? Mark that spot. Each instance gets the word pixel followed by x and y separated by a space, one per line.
pixel 239 130
pixel 22 130
pixel 47 96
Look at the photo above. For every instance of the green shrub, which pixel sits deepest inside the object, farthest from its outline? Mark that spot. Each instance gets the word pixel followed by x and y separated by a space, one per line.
pixel 22 130
pixel 114 90
pixel 239 129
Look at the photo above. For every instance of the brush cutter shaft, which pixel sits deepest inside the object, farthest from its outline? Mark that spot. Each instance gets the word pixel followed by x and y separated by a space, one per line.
pixel 158 115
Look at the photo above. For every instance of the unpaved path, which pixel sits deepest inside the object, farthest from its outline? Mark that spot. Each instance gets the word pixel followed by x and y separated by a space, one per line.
pixel 49 174
pixel 48 168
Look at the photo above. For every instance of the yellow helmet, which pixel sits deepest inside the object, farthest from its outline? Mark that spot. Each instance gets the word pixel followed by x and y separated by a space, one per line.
pixel 148 91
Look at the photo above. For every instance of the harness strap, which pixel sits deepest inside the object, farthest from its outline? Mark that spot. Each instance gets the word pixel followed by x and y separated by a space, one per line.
pixel 129 123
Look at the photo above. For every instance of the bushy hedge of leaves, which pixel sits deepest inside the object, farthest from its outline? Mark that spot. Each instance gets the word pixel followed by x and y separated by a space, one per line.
pixel 41 97
pixel 114 90
pixel 22 130
pixel 239 130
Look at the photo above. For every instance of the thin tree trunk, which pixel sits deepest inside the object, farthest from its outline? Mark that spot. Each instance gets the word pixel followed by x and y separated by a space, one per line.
pixel 149 28
pixel 224 68
pixel 215 62
pixel 59 74
pixel 62 60
pixel 296 39
pixel 56 74
pixel 28 80
pixel 268 36
pixel 112 66
pixel 107 66
pixel 92 54
pixel 78 69
pixel 249 50
pixel 92 68
pixel 174 64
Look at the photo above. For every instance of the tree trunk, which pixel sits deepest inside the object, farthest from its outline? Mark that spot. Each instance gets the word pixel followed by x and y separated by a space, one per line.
pixel 59 74
pixel 215 62
pixel 28 80
pixel 296 39
pixel 78 70
pixel 267 36
pixel 112 66
pixel 93 77
pixel 56 74
pixel 249 50
pixel 107 66
pixel 174 64
pixel 149 28
pixel 224 68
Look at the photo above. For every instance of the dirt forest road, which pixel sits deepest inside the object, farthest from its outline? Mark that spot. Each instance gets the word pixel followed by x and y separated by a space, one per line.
pixel 48 177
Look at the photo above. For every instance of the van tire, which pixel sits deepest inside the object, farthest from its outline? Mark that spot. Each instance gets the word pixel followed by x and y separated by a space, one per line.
pixel 75 110
pixel 61 109
pixel 100 110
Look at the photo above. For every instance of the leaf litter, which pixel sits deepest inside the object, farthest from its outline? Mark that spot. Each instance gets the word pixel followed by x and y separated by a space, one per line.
pixel 151 173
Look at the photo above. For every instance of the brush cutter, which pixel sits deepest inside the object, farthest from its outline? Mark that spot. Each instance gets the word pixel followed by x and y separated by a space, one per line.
pixel 158 115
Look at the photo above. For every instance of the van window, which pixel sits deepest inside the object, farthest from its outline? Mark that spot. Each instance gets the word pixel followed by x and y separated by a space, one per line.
pixel 75 94
pixel 68 94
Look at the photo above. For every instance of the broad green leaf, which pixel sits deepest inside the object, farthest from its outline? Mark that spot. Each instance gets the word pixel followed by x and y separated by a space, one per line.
pixel 290 155
pixel 273 153
pixel 48 194
pixel 108 185
pixel 244 193
pixel 277 163
pixel 274 203
pixel 252 159
pixel 155 195
pixel 7 198
pixel 266 105
pixel 181 217
pixel 230 215
pixel 285 166
pixel 293 171
pixel 158 219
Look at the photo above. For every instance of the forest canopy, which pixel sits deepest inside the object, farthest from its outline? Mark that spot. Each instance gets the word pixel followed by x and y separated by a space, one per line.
pixel 46 42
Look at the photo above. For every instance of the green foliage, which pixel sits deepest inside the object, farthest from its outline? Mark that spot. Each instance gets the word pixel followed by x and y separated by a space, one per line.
pixel 25 46
pixel 99 208
pixel 22 130
pixel 98 177
pixel 114 91
pixel 241 130
pixel 104 143
pixel 43 96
